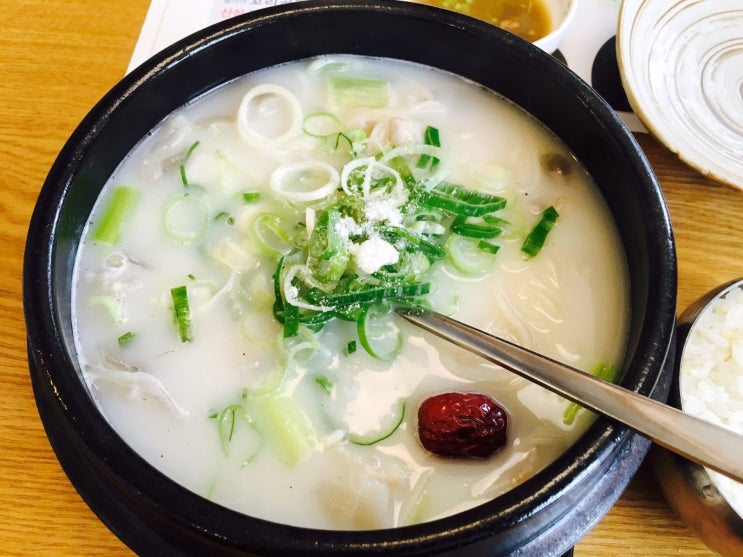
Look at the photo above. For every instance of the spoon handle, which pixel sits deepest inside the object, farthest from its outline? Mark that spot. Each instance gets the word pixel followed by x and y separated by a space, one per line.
pixel 702 442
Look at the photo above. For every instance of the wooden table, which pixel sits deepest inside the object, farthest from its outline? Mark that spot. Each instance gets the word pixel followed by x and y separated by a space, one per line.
pixel 57 59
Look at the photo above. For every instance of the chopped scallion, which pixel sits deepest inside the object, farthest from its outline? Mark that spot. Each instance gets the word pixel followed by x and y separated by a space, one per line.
pixel 325 240
pixel 378 333
pixel 226 425
pixel 182 168
pixel 536 238
pixel 461 201
pixel 376 437
pixel 182 312
pixel 287 426
pixel 601 371
pixel 224 215
pixel 351 347
pixel 321 124
pixel 108 230
pixel 487 247
pixel 325 383
pixel 126 338
pixel 375 294
pixel 353 92
pixel 466 256
pixel 472 230
pixel 430 137
pixel 414 242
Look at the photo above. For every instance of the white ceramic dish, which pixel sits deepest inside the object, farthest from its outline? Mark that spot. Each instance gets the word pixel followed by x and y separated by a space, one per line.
pixel 681 63
pixel 562 13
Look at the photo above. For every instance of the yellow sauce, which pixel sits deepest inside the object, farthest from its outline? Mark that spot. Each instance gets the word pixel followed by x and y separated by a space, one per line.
pixel 528 19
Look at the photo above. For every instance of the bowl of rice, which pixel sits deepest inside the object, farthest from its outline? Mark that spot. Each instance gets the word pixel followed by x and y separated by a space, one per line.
pixel 709 385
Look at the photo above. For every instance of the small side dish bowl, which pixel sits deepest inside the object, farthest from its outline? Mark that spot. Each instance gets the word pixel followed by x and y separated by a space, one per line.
pixel 547 513
pixel 562 13
pixel 552 16
pixel 709 385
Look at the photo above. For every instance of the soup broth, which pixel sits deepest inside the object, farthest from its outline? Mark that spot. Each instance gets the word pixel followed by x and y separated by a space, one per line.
pixel 195 264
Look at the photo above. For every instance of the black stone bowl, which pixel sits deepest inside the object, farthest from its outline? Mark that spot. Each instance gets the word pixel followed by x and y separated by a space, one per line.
pixel 544 516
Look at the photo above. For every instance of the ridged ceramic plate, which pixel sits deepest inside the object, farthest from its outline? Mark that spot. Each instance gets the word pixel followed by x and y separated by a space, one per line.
pixel 681 63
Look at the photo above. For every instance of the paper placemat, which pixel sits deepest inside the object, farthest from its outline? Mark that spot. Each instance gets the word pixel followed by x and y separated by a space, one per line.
pixel 587 49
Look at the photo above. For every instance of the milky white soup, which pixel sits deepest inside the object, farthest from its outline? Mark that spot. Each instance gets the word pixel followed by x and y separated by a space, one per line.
pixel 221 242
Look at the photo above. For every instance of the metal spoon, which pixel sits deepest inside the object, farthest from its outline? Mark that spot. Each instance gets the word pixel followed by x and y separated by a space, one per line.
pixel 695 439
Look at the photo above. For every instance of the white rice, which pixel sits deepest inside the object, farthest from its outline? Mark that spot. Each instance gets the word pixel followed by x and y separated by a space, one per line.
pixel 711 376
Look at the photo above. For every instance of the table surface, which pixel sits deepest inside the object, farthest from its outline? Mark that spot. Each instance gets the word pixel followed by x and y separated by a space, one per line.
pixel 58 57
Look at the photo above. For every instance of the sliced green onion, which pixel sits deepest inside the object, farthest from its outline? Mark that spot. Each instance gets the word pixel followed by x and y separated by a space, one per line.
pixel 305 181
pixel 224 215
pixel 291 320
pixel 432 177
pixel 378 333
pixel 287 426
pixel 186 217
pixel 249 442
pixel 465 255
pixel 226 425
pixel 304 348
pixel 184 178
pixel 330 270
pixel 182 312
pixel 251 196
pixel 354 138
pixel 325 240
pixel 399 164
pixel 126 338
pixel 325 383
pixel 353 92
pixel 472 230
pixel 494 219
pixel 372 438
pixel 536 238
pixel 350 347
pixel 427 228
pixel 112 306
pixel 278 293
pixel 368 178
pixel 488 247
pixel 369 295
pixel 430 137
pixel 120 205
pixel 601 371
pixel 412 267
pixel 269 236
pixel 413 242
pixel 461 201
pixel 321 124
